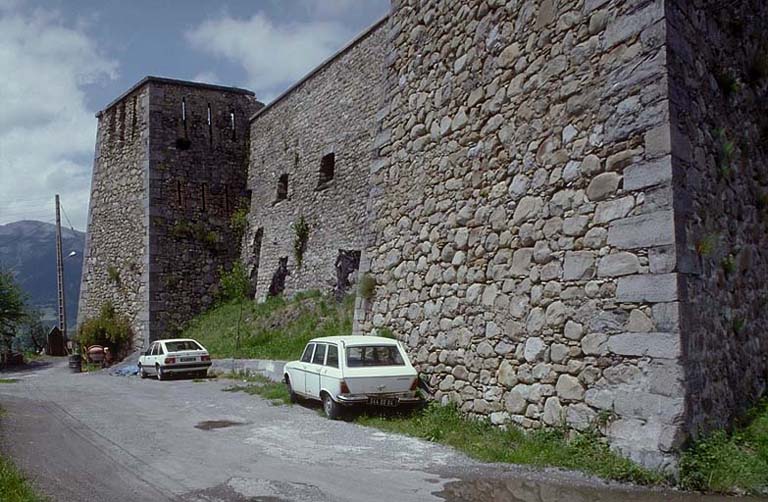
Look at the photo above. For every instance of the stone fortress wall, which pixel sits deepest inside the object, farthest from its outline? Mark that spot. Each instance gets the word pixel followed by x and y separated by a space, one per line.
pixel 115 266
pixel 718 95
pixel 198 167
pixel 167 176
pixel 561 203
pixel 310 154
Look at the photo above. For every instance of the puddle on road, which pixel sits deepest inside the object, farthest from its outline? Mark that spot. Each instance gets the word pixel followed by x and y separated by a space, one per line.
pixel 217 424
pixel 519 490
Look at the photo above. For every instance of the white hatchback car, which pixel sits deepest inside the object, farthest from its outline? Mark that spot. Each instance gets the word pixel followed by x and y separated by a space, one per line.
pixel 349 370
pixel 177 355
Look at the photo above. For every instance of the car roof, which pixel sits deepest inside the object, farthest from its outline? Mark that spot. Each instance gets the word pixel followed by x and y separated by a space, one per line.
pixel 177 340
pixel 357 340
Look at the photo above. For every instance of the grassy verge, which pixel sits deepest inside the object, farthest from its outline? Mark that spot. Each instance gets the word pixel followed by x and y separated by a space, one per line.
pixel 13 486
pixel 276 329
pixel 735 462
pixel 259 385
pixel 8 380
pixel 481 440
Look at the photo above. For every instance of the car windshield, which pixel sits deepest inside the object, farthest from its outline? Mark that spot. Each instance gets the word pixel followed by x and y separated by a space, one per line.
pixel 374 355
pixel 182 345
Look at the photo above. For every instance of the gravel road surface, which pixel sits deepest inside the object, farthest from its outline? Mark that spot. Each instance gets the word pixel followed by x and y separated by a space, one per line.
pixel 96 437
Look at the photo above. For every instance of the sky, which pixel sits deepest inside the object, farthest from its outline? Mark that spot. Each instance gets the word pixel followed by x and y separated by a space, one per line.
pixel 61 61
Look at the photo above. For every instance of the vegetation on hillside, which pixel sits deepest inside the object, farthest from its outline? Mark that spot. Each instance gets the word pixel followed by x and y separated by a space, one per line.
pixel 276 329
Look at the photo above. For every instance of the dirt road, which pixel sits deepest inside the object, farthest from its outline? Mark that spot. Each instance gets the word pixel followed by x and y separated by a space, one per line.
pixel 97 437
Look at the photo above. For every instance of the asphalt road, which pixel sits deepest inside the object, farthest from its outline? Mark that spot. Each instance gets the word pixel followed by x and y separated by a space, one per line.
pixel 97 437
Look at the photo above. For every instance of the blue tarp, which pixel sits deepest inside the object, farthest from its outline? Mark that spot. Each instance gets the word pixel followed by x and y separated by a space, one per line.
pixel 128 370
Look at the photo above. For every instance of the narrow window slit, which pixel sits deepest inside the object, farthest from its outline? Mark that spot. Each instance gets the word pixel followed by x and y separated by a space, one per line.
pixel 204 196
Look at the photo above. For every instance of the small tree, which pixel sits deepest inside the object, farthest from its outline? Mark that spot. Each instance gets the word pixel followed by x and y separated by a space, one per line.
pixel 108 329
pixel 234 284
pixel 12 311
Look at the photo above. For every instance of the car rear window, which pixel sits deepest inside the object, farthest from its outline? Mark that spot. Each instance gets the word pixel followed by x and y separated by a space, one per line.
pixel 182 345
pixel 333 357
pixel 374 355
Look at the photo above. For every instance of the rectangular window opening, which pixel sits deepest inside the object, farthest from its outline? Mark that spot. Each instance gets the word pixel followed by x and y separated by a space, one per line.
pixel 184 111
pixel 210 126
pixel 232 122
pixel 282 187
pixel 327 169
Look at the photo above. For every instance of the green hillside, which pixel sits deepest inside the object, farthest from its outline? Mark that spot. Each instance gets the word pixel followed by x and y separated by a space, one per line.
pixel 277 329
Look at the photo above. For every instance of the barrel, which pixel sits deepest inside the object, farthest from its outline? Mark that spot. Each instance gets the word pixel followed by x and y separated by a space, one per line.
pixel 75 363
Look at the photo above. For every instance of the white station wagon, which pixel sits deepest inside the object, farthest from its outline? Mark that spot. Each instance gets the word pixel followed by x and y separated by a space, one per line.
pixel 349 370
pixel 178 355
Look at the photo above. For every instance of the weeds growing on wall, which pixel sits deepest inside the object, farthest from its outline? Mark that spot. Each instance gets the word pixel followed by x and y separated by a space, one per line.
pixel 301 231
pixel 113 274
pixel 367 286
pixel 726 152
pixel 727 83
pixel 707 245
pixel 238 222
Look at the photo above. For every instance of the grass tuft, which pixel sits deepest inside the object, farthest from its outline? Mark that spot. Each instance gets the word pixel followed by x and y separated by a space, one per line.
pixel 730 463
pixel 13 485
pixel 276 329
pixel 259 385
pixel 8 380
pixel 483 441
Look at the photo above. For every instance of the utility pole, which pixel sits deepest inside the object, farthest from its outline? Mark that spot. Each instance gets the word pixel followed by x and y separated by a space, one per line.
pixel 60 274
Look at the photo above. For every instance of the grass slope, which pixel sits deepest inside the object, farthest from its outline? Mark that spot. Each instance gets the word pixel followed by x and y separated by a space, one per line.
pixel 277 329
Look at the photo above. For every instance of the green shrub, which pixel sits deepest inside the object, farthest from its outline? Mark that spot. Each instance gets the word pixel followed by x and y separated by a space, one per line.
pixel 108 329
pixel 367 286
pixel 234 283
pixel 301 229
pixel 386 332
pixel 238 222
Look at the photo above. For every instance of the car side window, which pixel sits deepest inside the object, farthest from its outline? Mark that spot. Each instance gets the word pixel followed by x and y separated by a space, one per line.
pixel 319 357
pixel 332 359
pixel 154 350
pixel 160 349
pixel 307 357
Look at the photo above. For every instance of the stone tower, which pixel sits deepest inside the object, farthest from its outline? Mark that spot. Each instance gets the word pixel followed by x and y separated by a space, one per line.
pixel 170 170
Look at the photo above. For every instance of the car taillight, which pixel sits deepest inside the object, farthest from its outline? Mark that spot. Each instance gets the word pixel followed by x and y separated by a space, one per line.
pixel 170 360
pixel 415 384
pixel 344 388
pixel 205 358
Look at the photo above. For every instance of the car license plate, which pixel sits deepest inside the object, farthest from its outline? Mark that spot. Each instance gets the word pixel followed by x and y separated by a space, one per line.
pixel 187 359
pixel 381 401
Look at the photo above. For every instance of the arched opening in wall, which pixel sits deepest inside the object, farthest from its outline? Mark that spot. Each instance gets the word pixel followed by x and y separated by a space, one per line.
pixel 282 187
pixel 277 285
pixel 347 264
pixel 253 275
pixel 327 169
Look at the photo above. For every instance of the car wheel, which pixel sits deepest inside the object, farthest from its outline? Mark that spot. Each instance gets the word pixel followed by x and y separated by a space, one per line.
pixel 331 408
pixel 293 396
pixel 159 372
pixel 142 373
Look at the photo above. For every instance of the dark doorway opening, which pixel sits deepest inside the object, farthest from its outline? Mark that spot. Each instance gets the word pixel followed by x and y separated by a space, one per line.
pixel 347 263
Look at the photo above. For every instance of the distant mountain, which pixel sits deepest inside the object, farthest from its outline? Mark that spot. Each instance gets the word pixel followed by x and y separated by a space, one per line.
pixel 28 249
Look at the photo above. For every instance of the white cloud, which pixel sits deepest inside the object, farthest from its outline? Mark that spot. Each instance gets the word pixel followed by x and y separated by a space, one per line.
pixel 207 77
pixel 47 132
pixel 274 55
